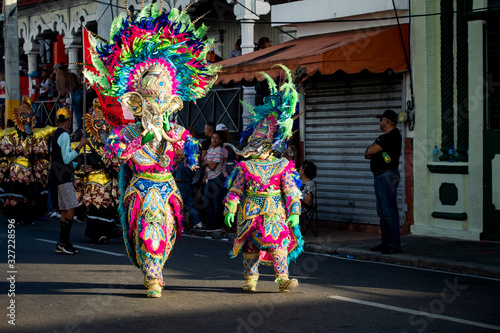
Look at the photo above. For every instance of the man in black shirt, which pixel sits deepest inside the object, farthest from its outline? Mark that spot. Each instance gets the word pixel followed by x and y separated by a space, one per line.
pixel 384 161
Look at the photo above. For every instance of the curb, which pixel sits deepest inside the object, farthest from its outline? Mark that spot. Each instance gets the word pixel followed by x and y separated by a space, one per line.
pixel 407 260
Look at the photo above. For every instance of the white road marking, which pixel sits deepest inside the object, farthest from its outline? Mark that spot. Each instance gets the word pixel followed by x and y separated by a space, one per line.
pixel 418 313
pixel 85 248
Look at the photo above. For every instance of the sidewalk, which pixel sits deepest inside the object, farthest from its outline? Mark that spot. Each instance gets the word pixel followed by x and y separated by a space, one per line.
pixel 445 254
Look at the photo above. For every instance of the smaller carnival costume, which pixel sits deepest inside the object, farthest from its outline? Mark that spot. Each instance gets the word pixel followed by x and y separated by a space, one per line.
pixel 98 189
pixel 264 192
pixel 153 62
pixel 25 165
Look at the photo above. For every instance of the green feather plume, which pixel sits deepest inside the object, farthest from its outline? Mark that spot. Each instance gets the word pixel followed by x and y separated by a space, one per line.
pixel 116 26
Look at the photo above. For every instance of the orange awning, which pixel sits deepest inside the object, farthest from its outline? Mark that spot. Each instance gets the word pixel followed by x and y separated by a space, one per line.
pixel 375 50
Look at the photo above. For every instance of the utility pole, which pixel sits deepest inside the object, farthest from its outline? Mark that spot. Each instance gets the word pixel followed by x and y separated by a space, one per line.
pixel 12 90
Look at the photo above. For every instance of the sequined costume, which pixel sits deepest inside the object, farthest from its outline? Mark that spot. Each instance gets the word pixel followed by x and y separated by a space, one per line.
pixel 25 165
pixel 153 63
pixel 264 192
pixel 97 187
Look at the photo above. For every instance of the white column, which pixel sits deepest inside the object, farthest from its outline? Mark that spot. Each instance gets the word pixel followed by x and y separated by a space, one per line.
pixel 32 61
pixel 247 46
pixel 73 51
pixel 247 18
pixel 247 36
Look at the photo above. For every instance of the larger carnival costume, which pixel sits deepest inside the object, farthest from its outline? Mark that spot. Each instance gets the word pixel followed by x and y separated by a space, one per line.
pixel 264 192
pixel 24 165
pixel 153 62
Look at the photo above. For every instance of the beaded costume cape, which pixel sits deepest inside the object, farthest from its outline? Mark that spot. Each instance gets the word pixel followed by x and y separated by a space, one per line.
pixel 263 193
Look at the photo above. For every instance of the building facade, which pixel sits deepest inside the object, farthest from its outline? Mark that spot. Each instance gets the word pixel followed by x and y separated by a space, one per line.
pixel 455 62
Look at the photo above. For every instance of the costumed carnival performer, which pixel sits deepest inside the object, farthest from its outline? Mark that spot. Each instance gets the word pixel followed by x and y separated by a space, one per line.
pixel 264 191
pixel 153 62
pixel 25 165
pixel 97 186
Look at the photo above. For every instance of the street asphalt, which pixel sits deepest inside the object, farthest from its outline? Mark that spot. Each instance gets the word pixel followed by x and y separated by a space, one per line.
pixel 481 258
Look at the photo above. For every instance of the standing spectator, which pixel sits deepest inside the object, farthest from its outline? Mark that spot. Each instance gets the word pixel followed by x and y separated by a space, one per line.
pixel 2 88
pixel 69 89
pixel 24 84
pixel 263 43
pixel 34 90
pixel 236 52
pixel 184 178
pixel 214 188
pixel 307 173
pixel 47 86
pixel 205 145
pixel 384 161
pixel 62 173
pixel 47 93
pixel 198 184
pixel 34 86
pixel 225 137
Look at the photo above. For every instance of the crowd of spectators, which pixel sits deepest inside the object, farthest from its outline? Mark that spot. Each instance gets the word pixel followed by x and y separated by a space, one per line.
pixel 50 85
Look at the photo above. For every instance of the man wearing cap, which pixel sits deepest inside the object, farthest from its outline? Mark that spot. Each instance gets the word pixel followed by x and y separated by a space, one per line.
pixel 384 161
pixel 263 43
pixel 34 86
pixel 62 173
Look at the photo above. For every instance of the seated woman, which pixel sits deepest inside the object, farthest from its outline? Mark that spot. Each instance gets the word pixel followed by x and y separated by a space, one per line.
pixel 307 173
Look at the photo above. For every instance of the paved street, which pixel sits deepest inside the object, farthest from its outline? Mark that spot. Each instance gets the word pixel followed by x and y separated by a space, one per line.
pixel 99 290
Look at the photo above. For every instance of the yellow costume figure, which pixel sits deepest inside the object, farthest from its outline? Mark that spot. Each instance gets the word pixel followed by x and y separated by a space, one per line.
pixel 25 165
pixel 97 186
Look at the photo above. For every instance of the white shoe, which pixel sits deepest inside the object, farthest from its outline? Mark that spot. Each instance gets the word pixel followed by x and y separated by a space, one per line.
pixel 198 226
pixel 53 215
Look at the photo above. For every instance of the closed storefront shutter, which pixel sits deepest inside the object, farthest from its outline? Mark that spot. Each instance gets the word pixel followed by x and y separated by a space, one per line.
pixel 340 122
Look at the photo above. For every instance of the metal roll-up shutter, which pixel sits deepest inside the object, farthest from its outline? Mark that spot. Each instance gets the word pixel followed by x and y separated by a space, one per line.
pixel 340 123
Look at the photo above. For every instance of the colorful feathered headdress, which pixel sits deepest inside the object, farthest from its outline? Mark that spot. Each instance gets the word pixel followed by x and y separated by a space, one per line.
pixel 272 122
pixel 153 41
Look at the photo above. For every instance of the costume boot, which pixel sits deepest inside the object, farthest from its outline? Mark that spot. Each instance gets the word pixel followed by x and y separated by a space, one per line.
pixel 250 270
pixel 280 264
pixel 154 288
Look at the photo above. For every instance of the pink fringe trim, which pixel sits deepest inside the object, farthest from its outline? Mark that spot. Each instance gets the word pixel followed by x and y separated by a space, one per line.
pixel 134 215
pixel 177 206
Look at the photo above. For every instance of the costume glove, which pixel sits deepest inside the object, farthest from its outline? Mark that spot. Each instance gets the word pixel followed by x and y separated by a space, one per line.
pixel 229 219
pixel 293 220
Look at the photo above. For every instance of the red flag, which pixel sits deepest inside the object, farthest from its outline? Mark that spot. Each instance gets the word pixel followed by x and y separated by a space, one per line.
pixel 87 51
pixel 111 107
